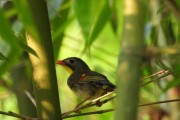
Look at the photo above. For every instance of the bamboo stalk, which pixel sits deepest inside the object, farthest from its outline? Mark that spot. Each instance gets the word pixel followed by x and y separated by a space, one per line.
pixel 45 81
pixel 130 60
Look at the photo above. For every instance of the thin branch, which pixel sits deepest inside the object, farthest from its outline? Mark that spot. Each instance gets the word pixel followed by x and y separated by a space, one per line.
pixel 95 100
pixel 89 113
pixel 28 94
pixel 166 74
pixel 160 102
pixel 88 105
pixel 12 114
pixel 109 110
pixel 154 74
pixel 94 104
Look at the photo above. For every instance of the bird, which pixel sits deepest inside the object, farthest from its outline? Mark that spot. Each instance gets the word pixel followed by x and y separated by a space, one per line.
pixel 84 82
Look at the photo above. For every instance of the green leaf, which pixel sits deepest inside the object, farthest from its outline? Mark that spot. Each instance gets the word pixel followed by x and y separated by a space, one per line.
pixel 84 13
pixel 171 84
pixel 28 49
pixel 59 24
pixel 100 23
pixel 178 4
pixel 7 35
pixel 161 8
pixel 6 32
pixel 2 57
pixel 25 15
pixel 92 17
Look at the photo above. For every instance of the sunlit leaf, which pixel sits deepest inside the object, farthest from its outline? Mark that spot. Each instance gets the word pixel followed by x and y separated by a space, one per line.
pixel 7 35
pixel 26 16
pixel 6 32
pixel 59 23
pixel 84 12
pixel 92 17
pixel 100 23
pixel 26 48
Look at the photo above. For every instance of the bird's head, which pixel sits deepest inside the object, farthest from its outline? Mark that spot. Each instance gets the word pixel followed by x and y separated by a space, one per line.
pixel 73 64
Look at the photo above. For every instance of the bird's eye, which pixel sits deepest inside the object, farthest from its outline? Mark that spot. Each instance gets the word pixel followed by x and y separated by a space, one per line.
pixel 72 61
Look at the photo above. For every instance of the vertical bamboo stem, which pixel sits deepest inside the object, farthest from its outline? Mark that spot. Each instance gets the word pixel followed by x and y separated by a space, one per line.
pixel 45 81
pixel 130 60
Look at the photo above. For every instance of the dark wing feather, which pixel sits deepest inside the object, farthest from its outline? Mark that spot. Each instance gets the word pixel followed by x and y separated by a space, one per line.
pixel 96 79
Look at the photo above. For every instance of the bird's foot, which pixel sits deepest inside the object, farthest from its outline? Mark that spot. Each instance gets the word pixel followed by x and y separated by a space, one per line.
pixel 77 110
pixel 99 103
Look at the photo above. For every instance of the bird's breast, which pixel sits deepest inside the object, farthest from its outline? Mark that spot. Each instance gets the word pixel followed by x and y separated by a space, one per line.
pixel 81 90
pixel 85 90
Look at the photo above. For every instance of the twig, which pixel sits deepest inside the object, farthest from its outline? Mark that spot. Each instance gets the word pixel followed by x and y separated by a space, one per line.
pixel 157 73
pixel 159 102
pixel 93 104
pixel 95 100
pixel 89 113
pixel 12 114
pixel 166 74
pixel 88 105
pixel 109 110
pixel 30 97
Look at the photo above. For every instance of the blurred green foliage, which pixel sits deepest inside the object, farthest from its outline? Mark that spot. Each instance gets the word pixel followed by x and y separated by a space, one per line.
pixel 90 30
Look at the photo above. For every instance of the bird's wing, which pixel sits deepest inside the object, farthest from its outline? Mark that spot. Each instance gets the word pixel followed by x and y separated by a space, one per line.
pixel 89 76
pixel 96 79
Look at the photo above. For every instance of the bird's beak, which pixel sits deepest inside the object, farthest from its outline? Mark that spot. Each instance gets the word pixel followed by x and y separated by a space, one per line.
pixel 60 62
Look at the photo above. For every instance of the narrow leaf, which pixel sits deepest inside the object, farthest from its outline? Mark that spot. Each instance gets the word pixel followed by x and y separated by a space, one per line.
pixel 59 25
pixel 26 17
pixel 2 57
pixel 100 23
pixel 84 13
pixel 7 35
pixel 26 48
pixel 171 84
pixel 6 32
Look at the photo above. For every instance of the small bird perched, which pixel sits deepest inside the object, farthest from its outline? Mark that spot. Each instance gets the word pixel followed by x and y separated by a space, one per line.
pixel 83 82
